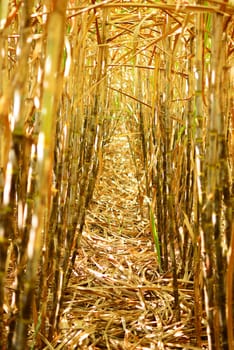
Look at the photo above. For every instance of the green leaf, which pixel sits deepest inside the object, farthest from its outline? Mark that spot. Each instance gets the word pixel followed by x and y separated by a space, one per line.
pixel 156 239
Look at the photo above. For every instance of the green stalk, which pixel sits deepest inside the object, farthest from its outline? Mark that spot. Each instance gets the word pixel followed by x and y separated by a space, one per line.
pixel 155 237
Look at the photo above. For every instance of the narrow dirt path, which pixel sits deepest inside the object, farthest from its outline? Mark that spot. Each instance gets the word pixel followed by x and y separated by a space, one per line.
pixel 116 298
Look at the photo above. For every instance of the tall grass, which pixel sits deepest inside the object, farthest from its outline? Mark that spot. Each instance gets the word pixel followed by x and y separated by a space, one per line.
pixel 71 73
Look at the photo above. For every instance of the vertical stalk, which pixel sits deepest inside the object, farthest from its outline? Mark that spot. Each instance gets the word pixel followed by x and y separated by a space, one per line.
pixel 45 149
pixel 17 158
pixel 199 137
pixel 215 265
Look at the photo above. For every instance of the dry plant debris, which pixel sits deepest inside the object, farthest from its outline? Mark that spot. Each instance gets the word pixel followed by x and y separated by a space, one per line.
pixel 116 298
pixel 166 71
